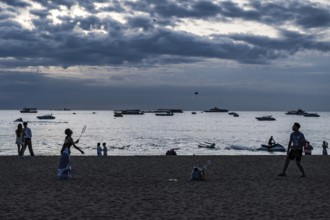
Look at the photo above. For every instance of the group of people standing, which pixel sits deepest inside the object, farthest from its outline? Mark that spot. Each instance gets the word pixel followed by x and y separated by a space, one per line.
pixel 99 149
pixel 23 139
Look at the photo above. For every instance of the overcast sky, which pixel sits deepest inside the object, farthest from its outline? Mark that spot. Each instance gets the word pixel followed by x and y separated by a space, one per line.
pixel 148 54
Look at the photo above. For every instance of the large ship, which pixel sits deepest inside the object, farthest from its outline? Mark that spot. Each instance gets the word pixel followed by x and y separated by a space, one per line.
pixel 29 110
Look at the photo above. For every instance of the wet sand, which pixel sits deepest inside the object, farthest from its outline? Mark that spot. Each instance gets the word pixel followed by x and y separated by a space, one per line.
pixel 159 187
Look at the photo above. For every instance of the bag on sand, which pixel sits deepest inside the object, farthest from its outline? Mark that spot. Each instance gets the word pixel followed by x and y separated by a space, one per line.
pixel 199 173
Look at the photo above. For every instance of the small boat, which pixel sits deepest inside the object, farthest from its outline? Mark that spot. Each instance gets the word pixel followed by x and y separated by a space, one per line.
pixel 216 109
pixel 266 118
pixel 29 110
pixel 207 145
pixel 233 114
pixel 311 115
pixel 298 112
pixel 19 120
pixel 118 114
pixel 48 117
pixel 273 148
pixel 164 114
pixel 194 113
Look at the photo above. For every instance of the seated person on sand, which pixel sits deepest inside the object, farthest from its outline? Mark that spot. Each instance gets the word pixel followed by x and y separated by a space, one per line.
pixel 171 152
pixel 271 141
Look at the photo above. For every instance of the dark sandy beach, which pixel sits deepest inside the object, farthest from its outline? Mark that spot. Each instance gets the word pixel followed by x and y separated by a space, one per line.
pixel 238 187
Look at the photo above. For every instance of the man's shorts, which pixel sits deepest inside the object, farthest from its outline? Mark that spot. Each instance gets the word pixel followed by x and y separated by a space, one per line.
pixel 295 154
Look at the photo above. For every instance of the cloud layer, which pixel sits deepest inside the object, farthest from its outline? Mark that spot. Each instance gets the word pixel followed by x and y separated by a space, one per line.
pixel 108 54
pixel 68 33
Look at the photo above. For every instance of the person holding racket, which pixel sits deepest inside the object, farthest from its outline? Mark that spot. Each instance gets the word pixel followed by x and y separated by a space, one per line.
pixel 64 168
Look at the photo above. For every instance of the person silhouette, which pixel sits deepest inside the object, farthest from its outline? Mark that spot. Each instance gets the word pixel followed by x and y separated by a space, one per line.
pixel 27 133
pixel 105 149
pixel 271 141
pixel 308 148
pixel 99 150
pixel 325 146
pixel 64 167
pixel 295 148
pixel 19 138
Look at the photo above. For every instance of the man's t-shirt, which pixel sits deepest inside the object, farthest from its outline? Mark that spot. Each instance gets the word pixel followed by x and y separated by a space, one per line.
pixel 297 139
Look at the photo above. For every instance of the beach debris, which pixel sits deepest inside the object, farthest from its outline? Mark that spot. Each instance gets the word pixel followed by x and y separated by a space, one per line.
pixel 199 173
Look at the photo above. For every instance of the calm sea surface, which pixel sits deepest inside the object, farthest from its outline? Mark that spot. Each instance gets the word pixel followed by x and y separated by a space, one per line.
pixel 153 135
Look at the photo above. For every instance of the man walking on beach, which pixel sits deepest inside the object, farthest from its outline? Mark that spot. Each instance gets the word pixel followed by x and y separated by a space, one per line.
pixel 27 140
pixel 295 149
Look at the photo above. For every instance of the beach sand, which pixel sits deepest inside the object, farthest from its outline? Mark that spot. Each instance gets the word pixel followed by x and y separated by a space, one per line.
pixel 159 187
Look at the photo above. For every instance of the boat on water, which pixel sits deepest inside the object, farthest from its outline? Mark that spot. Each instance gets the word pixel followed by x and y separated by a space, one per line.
pixel 118 114
pixel 48 117
pixel 207 145
pixel 131 112
pixel 173 110
pixel 216 109
pixel 297 112
pixel 266 118
pixel 194 113
pixel 311 115
pixel 233 114
pixel 164 114
pixel 19 120
pixel 272 148
pixel 29 110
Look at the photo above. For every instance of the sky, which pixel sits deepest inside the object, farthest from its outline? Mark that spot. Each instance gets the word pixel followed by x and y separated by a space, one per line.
pixel 147 54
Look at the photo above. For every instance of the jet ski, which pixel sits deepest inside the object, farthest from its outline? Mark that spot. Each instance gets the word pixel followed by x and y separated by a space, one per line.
pixel 272 148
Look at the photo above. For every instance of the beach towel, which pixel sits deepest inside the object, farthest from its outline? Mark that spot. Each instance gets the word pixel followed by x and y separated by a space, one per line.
pixel 64 168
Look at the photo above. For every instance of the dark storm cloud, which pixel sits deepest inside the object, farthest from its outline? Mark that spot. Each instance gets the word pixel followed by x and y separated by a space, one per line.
pixel 16 3
pixel 125 44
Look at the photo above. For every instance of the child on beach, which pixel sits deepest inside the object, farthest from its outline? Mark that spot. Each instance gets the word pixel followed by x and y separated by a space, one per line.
pixel 105 150
pixel 99 150
pixel 325 146
pixel 295 148
pixel 64 168
pixel 308 148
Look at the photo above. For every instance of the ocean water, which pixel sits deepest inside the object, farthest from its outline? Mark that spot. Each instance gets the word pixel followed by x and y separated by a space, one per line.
pixel 153 135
